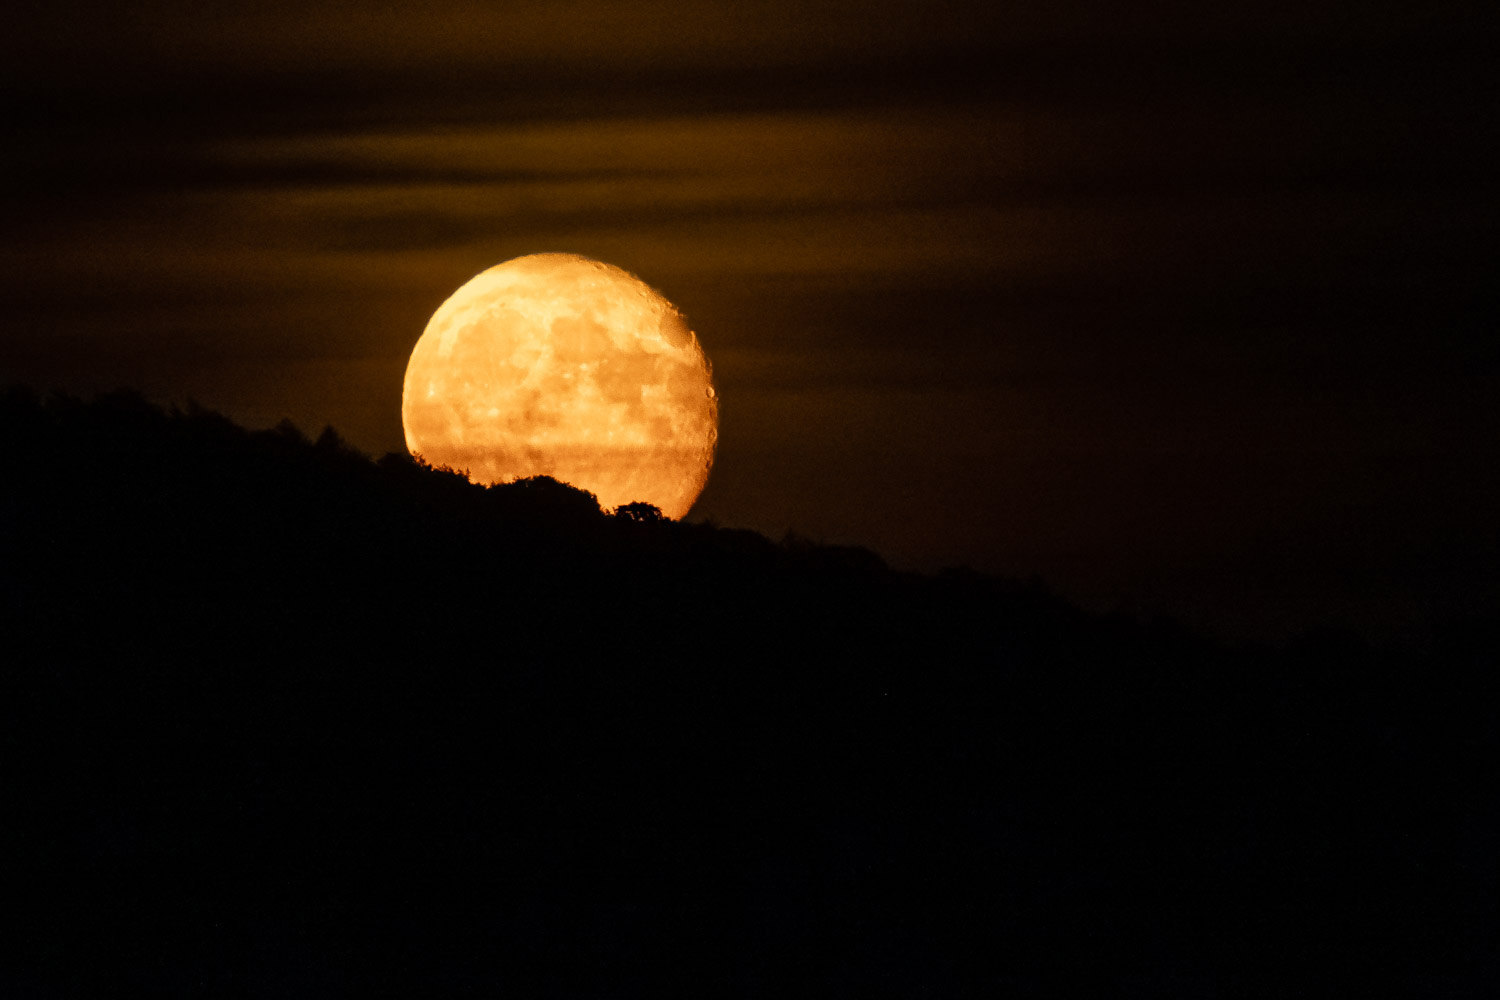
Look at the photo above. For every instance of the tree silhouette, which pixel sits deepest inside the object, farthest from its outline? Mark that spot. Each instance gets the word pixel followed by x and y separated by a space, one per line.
pixel 640 512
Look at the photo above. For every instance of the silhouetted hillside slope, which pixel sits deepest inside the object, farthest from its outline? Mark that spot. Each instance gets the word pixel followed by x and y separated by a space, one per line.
pixel 281 721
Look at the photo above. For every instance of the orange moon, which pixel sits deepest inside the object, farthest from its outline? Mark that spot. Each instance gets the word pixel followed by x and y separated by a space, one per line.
pixel 557 365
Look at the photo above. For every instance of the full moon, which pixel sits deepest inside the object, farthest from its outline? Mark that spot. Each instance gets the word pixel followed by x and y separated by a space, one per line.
pixel 557 365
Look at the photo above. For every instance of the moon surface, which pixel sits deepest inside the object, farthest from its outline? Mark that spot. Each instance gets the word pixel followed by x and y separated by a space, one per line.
pixel 557 365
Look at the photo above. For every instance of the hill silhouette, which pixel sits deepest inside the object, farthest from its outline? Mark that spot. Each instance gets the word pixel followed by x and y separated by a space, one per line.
pixel 283 721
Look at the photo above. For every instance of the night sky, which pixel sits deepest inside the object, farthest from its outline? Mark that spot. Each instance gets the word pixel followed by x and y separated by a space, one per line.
pixel 1182 307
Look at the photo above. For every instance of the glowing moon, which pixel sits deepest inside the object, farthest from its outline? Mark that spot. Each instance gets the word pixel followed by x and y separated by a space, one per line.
pixel 558 365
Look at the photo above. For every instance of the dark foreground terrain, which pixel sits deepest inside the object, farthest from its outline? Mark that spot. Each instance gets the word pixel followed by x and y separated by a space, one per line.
pixel 280 721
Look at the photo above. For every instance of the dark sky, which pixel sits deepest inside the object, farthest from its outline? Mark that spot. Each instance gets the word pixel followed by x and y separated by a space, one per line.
pixel 1177 305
